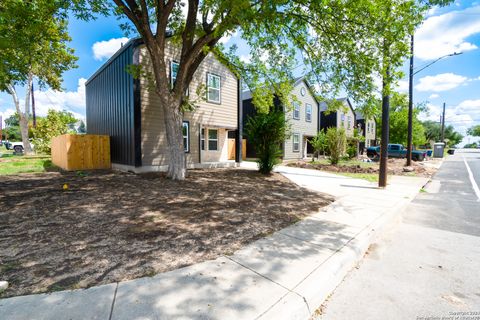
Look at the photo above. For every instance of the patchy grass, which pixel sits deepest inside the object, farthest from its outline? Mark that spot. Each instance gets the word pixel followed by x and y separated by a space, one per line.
pixel 372 177
pixel 12 164
pixel 109 226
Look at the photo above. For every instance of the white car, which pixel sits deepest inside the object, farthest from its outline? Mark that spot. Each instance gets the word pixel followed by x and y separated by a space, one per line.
pixel 16 146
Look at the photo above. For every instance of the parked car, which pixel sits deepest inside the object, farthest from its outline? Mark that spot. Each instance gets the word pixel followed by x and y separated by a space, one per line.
pixel 16 146
pixel 396 151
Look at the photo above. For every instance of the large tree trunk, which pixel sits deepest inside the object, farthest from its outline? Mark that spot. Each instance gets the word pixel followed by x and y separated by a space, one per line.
pixel 23 120
pixel 173 125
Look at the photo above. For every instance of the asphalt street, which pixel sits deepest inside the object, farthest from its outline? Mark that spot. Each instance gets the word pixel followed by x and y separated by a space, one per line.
pixel 427 266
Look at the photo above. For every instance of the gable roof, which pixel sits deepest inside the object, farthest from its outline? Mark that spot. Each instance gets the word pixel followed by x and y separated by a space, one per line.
pixel 248 93
pixel 323 105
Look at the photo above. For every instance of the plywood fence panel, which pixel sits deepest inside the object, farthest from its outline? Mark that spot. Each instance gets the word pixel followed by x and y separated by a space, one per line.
pixel 81 152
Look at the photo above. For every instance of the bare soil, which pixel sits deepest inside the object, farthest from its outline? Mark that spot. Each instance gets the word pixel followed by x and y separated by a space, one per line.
pixel 394 167
pixel 107 227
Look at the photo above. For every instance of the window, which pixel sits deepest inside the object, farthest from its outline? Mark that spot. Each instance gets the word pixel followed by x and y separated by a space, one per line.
pixel 296 110
pixel 296 142
pixel 212 139
pixel 173 72
pixel 202 138
pixel 213 88
pixel 308 112
pixel 368 127
pixel 186 136
pixel 303 91
pixel 349 119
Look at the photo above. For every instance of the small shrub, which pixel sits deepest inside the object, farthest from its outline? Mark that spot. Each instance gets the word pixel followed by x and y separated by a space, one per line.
pixel 54 124
pixel 319 144
pixel 266 132
pixel 336 141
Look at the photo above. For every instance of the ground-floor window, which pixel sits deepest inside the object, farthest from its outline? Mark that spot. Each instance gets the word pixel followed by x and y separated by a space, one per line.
pixel 202 138
pixel 296 142
pixel 212 139
pixel 186 136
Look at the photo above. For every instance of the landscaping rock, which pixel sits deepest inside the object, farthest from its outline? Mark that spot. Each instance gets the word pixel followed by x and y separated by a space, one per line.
pixel 408 169
pixel 3 286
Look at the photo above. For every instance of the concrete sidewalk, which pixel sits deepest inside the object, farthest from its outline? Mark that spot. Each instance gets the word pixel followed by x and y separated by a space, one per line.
pixel 284 276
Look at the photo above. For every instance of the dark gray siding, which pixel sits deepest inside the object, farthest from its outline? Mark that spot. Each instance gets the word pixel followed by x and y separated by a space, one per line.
pixel 112 108
pixel 328 121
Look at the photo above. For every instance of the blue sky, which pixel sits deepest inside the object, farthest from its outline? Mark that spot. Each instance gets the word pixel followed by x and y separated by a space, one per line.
pixel 454 80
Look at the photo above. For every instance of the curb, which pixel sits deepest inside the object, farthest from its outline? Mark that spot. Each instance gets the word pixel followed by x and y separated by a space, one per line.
pixel 308 296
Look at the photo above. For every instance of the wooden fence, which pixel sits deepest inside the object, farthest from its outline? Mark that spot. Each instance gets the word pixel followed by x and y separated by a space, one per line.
pixel 81 152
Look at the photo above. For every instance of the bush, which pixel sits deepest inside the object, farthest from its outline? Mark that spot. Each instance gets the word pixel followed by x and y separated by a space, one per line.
pixel 336 141
pixel 54 124
pixel 266 132
pixel 319 143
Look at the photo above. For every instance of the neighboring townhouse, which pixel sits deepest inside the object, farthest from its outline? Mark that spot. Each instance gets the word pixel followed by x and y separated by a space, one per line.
pixel 128 111
pixel 304 120
pixel 342 118
pixel 368 129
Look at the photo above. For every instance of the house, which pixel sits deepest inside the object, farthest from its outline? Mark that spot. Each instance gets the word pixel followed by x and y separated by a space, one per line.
pixel 128 110
pixel 368 129
pixel 304 120
pixel 341 118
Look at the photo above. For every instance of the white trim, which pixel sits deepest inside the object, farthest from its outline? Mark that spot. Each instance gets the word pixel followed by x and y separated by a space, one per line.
pixel 219 87
pixel 308 113
pixel 295 105
pixel 293 142
pixel 187 147
pixel 472 179
pixel 208 139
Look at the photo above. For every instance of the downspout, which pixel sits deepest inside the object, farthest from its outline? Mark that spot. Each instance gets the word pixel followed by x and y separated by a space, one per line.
pixel 239 136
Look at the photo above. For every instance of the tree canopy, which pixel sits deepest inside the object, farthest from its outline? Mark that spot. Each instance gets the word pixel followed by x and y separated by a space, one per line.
pixel 474 131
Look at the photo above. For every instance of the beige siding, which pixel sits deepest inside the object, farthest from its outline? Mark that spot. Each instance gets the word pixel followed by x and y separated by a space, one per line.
pixel 223 115
pixel 348 114
pixel 369 134
pixel 301 126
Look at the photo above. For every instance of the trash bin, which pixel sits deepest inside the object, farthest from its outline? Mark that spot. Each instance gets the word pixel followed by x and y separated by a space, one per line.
pixel 438 148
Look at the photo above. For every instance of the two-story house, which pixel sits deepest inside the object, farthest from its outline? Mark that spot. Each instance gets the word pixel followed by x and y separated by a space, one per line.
pixel 341 118
pixel 368 128
pixel 128 110
pixel 304 120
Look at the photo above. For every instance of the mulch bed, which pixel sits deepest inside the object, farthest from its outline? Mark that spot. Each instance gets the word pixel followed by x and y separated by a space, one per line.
pixel 110 226
pixel 394 167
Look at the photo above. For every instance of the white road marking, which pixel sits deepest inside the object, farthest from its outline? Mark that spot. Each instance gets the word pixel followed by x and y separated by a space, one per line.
pixel 472 180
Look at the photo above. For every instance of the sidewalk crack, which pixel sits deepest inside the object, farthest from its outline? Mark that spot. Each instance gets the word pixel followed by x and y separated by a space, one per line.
pixel 113 302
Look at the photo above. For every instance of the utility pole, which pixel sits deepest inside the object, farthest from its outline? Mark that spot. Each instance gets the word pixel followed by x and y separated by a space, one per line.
pixel 382 179
pixel 443 124
pixel 410 107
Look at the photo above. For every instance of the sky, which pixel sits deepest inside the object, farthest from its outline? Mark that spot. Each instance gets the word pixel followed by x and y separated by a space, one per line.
pixel 454 80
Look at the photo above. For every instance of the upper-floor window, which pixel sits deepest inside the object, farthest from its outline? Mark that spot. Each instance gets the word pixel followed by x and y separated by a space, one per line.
pixel 186 136
pixel 308 112
pixel 173 72
pixel 213 88
pixel 296 110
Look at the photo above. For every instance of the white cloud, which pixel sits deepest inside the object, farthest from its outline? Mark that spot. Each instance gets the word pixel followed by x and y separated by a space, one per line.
pixel 402 86
pixel 433 96
pixel 440 82
pixel 72 101
pixel 105 49
pixel 447 33
pixel 461 117
pixel 228 36
pixel 5 114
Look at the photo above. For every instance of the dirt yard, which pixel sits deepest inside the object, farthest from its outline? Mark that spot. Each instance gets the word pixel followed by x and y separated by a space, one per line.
pixel 108 227
pixel 395 167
